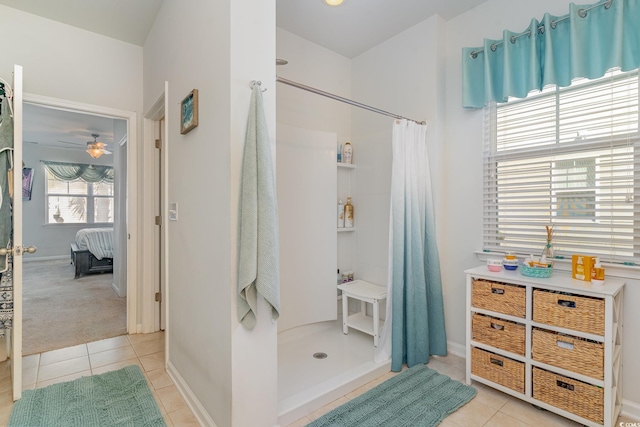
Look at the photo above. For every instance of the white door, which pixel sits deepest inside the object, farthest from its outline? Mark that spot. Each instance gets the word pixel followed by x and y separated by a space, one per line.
pixel 306 186
pixel 16 332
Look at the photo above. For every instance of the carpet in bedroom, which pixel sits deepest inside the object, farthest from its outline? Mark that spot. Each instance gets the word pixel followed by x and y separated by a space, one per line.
pixel 60 311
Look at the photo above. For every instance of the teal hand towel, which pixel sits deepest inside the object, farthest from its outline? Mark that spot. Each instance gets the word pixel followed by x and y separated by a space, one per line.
pixel 258 264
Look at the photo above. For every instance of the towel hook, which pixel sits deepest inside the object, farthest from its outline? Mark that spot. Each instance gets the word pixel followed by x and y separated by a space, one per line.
pixel 256 82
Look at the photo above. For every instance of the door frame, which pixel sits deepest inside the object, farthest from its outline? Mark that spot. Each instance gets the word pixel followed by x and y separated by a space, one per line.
pixel 131 199
pixel 152 310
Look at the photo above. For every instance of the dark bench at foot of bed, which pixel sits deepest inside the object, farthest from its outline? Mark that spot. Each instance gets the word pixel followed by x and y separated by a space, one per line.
pixel 85 262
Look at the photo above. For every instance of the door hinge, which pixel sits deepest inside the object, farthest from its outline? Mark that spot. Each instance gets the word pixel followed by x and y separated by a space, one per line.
pixel 158 220
pixel 158 296
pixel 159 144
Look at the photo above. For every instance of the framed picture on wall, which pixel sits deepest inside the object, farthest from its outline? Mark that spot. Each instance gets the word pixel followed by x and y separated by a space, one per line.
pixel 27 183
pixel 189 112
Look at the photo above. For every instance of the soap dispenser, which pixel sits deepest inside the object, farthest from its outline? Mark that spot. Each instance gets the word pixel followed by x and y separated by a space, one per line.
pixel 348 214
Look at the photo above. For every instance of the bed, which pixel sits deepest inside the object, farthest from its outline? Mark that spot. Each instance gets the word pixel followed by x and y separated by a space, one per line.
pixel 92 252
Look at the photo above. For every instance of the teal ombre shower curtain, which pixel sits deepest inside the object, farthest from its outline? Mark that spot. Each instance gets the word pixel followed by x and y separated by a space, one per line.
pixel 414 328
pixel 584 43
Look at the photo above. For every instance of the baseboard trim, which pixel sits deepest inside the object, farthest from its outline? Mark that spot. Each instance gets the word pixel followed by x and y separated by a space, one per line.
pixel 192 401
pixel 45 258
pixel 631 409
pixel 456 349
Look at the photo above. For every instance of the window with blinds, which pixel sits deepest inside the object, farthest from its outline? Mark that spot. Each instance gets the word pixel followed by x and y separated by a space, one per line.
pixel 566 157
pixel 78 202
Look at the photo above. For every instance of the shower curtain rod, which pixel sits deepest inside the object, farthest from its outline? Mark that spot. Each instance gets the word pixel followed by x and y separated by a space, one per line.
pixel 345 100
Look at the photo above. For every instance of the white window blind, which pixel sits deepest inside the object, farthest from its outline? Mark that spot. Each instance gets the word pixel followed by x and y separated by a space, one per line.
pixel 569 158
pixel 78 202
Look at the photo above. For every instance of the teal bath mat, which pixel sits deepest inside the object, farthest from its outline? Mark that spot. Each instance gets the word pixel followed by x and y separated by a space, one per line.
pixel 417 397
pixel 118 398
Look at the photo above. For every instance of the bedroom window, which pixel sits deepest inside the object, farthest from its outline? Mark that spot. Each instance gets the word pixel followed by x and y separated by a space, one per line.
pixel 78 202
pixel 567 157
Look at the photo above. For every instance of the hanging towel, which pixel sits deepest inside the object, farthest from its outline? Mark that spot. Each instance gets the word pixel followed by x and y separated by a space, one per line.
pixel 258 265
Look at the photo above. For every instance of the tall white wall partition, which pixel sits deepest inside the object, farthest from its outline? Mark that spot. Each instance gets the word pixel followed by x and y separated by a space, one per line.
pixel 306 187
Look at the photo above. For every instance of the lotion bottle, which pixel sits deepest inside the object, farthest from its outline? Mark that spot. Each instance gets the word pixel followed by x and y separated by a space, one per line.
pixel 340 214
pixel 597 273
pixel 347 153
pixel 348 214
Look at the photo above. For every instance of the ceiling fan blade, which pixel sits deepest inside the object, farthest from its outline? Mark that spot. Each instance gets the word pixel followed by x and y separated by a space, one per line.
pixel 71 143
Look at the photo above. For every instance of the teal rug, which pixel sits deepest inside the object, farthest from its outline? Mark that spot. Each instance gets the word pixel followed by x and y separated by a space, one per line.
pixel 118 398
pixel 417 397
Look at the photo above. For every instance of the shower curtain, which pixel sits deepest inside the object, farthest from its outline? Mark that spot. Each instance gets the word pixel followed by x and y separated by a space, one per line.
pixel 414 288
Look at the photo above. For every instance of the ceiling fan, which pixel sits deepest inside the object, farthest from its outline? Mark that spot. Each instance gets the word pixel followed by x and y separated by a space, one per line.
pixel 96 148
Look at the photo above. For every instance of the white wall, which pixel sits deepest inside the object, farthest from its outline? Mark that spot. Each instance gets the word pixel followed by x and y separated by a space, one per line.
pixel 69 63
pixel 218 48
pixel 318 67
pixel 463 175
pixel 400 75
pixel 52 240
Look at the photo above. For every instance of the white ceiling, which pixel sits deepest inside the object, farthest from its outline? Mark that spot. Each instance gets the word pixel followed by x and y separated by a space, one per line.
pixel 63 129
pixel 358 25
pixel 349 29
pixel 126 20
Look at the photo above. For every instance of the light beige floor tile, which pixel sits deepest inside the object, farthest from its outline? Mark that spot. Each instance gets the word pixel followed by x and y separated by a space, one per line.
pixel 6 399
pixel 368 386
pixel 448 423
pixel 115 366
pixel 5 414
pixel 63 368
pixel 452 372
pixel 472 414
pixel 453 360
pixel 504 420
pixel 171 399
pixel 153 361
pixel 300 423
pixel 31 361
pixel 623 419
pixel 168 422
pixel 5 370
pixel 527 413
pixel 489 396
pixel 327 408
pixel 138 338
pixel 109 357
pixel 63 354
pixel 108 344
pixel 183 418
pixel 57 380
pixel 159 379
pixel 148 347
pixel 29 376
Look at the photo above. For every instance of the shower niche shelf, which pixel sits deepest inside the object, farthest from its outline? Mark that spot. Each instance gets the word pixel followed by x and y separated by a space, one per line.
pixel 346 165
pixel 342 230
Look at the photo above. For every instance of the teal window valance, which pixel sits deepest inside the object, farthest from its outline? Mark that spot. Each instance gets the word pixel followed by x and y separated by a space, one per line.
pixel 73 171
pixel 584 43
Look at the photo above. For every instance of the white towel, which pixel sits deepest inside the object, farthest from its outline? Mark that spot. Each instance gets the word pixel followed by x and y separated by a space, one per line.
pixel 258 265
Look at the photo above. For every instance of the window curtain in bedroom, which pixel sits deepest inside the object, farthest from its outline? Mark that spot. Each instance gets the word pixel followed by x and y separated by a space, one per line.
pixel 73 171
pixel 584 43
pixel 414 326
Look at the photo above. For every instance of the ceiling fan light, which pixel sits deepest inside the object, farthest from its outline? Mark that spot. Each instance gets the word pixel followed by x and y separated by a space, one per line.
pixel 94 150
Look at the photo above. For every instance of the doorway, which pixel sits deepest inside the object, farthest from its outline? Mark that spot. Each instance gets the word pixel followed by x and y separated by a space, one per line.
pixel 119 140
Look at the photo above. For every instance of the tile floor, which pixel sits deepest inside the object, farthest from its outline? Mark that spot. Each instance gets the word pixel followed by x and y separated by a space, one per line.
pixel 490 408
pixel 144 350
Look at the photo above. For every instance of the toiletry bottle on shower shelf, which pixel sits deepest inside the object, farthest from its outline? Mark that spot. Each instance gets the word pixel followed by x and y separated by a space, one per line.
pixel 340 154
pixel 340 214
pixel 347 153
pixel 348 214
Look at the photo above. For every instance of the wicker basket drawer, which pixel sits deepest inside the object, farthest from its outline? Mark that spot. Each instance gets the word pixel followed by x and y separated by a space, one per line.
pixel 569 311
pixel 499 369
pixel 499 297
pixel 571 353
pixel 499 333
pixel 582 399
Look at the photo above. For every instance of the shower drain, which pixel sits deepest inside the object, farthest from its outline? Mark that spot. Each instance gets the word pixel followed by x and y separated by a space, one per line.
pixel 320 355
